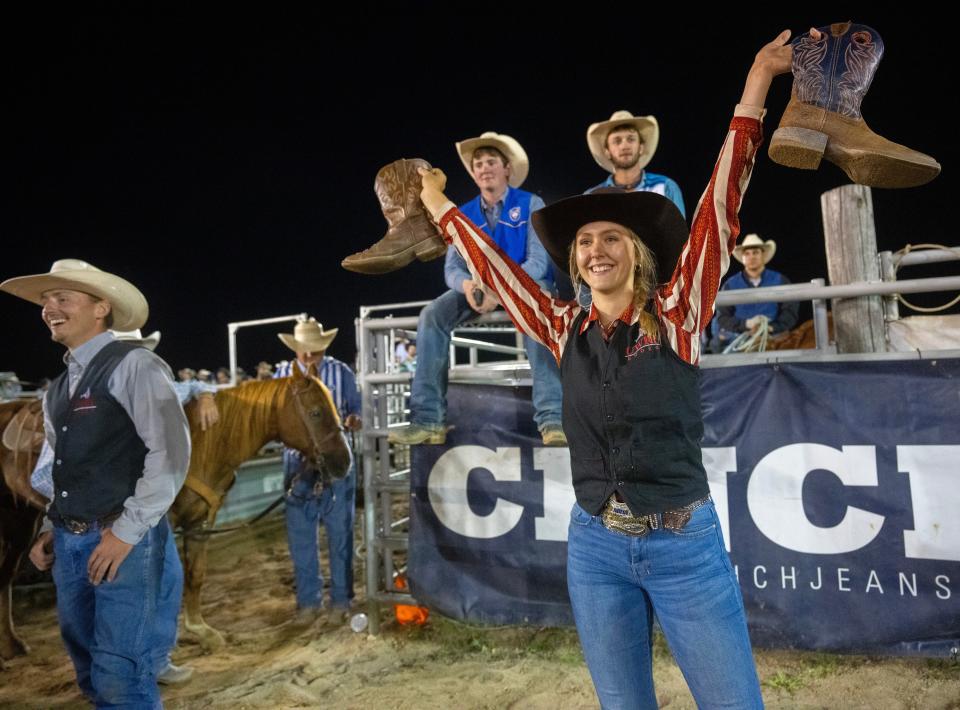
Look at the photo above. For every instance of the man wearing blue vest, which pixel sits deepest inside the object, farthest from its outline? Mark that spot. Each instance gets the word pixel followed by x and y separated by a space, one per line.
pixel 623 146
pixel 498 165
pixel 121 448
pixel 754 253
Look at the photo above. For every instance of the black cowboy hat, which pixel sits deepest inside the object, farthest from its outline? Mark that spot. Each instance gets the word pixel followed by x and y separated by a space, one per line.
pixel 654 218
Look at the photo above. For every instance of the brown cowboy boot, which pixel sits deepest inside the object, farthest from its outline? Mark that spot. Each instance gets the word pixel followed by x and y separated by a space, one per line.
pixel 830 78
pixel 411 234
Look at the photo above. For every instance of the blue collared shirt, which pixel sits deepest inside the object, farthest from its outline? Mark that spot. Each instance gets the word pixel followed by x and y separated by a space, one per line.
pixel 651 182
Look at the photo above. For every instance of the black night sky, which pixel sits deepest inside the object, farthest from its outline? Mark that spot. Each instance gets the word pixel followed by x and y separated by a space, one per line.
pixel 224 162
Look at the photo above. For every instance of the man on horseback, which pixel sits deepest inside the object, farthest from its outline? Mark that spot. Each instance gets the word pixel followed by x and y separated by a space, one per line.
pixel 122 446
pixel 311 497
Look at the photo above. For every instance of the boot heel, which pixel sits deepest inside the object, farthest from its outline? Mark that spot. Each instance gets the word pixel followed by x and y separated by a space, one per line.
pixel 430 249
pixel 798 147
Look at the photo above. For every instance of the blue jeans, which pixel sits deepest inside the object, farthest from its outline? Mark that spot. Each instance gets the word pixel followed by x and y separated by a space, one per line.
pixel 335 508
pixel 109 629
pixel 428 397
pixel 617 583
pixel 168 604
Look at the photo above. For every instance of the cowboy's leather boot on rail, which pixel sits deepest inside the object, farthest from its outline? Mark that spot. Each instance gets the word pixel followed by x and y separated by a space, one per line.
pixel 411 235
pixel 830 78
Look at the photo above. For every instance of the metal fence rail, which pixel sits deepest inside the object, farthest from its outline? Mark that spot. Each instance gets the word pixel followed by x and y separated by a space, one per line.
pixel 386 469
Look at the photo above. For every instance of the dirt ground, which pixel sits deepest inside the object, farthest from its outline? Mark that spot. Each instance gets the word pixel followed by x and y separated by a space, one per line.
pixel 271 663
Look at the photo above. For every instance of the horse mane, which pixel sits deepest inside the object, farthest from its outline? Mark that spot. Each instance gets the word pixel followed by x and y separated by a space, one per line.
pixel 245 412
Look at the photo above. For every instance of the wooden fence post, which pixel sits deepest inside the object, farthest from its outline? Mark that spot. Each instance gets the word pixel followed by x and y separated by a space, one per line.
pixel 851 243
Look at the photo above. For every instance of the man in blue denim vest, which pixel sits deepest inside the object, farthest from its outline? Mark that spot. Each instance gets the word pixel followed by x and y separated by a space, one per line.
pixel 121 448
pixel 498 165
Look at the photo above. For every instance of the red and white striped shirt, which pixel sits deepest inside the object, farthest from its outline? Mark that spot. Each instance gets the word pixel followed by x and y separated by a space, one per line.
pixel 684 305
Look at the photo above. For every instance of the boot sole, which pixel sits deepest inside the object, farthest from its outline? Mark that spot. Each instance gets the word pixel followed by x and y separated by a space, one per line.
pixel 803 148
pixel 426 250
pixel 878 170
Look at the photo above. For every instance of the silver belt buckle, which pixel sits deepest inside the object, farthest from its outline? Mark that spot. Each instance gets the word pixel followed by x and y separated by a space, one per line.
pixel 75 527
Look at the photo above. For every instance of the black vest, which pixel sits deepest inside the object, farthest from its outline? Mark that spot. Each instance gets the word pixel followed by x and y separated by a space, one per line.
pixel 99 456
pixel 631 413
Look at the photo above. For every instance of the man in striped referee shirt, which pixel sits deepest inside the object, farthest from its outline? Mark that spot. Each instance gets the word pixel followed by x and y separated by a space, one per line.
pixel 310 499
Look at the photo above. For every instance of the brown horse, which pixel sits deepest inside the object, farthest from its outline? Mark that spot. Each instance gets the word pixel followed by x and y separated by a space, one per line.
pixel 299 411
pixel 20 506
pixel 800 338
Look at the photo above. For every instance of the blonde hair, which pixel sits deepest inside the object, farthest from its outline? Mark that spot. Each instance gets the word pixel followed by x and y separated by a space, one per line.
pixel 644 278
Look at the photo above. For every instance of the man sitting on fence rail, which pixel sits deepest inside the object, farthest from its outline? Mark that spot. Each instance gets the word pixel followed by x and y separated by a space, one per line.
pixel 498 165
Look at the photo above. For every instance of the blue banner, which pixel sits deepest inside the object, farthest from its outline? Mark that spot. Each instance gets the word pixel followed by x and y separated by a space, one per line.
pixel 837 485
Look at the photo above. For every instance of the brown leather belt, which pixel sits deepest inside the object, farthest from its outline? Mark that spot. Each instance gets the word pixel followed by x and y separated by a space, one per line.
pixel 80 527
pixel 616 516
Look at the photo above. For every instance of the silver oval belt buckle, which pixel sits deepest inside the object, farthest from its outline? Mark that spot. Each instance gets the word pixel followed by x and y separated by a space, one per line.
pixel 76 527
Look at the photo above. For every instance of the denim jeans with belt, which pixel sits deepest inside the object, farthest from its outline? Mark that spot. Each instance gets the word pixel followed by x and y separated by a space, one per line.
pixel 617 583
pixel 109 629
pixel 428 396
pixel 305 510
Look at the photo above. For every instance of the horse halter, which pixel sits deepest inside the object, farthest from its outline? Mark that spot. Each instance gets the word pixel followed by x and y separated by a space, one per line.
pixel 318 455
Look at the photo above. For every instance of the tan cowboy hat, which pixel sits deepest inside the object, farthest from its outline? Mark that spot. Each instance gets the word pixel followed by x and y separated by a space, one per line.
pixel 597 137
pixel 752 240
pixel 128 305
pixel 308 337
pixel 516 155
pixel 134 336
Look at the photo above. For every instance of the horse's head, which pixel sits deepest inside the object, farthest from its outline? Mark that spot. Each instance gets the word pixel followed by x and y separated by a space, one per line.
pixel 309 422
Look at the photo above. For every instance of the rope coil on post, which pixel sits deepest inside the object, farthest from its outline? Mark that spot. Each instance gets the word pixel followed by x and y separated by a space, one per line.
pixel 922 247
pixel 748 341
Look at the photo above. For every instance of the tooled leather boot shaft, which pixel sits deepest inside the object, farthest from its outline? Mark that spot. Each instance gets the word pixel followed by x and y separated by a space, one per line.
pixel 835 72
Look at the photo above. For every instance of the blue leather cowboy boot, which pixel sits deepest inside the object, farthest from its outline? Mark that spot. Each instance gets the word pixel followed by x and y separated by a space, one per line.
pixel 830 78
pixel 410 234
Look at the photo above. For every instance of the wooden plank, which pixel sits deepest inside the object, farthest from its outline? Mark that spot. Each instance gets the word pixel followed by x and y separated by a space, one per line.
pixel 850 238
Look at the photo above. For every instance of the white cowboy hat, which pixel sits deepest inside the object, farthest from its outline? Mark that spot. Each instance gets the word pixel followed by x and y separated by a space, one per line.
pixel 597 134
pixel 308 337
pixel 752 240
pixel 516 155
pixel 134 336
pixel 128 305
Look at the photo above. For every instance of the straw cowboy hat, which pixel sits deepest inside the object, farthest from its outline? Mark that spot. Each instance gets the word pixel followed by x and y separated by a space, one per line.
pixel 308 337
pixel 516 155
pixel 128 305
pixel 653 217
pixel 149 342
pixel 597 134
pixel 752 240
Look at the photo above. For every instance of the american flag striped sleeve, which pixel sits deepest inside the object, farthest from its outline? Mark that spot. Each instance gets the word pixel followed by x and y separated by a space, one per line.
pixel 685 303
pixel 533 310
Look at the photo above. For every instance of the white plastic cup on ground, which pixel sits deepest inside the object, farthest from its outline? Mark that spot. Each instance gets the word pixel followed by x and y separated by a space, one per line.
pixel 358 622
